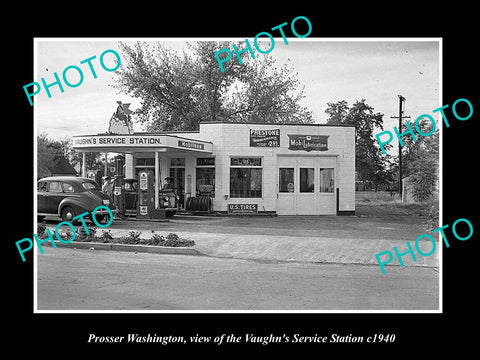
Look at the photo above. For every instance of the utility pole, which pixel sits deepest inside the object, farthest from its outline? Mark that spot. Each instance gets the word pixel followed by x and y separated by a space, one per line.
pixel 400 116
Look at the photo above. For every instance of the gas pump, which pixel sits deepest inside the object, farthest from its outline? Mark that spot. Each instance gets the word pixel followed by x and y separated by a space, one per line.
pixel 119 195
pixel 146 197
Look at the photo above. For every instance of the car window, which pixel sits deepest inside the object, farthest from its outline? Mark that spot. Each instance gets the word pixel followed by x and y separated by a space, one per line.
pixel 55 186
pixel 90 186
pixel 68 188
pixel 131 186
pixel 42 186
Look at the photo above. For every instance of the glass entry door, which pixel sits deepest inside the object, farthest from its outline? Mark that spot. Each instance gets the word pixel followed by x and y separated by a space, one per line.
pixel 306 199
pixel 287 186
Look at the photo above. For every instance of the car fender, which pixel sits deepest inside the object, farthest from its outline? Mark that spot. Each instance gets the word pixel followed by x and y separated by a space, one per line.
pixel 78 205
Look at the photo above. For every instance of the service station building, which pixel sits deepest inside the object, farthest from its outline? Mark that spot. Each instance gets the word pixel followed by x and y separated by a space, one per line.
pixel 283 169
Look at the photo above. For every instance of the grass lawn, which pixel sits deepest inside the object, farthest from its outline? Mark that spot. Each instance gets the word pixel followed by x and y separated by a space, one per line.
pixel 382 206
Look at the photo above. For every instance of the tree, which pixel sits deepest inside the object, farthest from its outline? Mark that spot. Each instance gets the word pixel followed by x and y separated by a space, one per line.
pixel 421 159
pixel 370 164
pixel 93 159
pixel 179 91
pixel 45 155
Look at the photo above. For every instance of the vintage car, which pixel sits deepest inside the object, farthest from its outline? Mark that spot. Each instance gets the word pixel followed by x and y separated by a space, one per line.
pixel 69 196
pixel 168 198
pixel 131 193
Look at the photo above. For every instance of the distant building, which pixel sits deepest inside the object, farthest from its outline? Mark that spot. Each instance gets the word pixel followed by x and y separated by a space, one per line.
pixel 61 167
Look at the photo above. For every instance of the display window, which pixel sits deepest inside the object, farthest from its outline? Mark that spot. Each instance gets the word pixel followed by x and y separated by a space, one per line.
pixel 246 177
pixel 205 177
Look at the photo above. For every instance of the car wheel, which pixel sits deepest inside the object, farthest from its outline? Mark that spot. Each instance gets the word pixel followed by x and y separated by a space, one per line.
pixel 68 213
pixel 169 214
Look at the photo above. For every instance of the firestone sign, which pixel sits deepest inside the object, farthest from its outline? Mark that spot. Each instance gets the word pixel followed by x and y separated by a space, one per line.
pixel 308 142
pixel 265 138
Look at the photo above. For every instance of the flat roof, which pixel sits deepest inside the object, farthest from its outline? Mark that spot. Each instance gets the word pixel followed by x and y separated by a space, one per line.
pixel 167 132
pixel 273 123
pixel 143 133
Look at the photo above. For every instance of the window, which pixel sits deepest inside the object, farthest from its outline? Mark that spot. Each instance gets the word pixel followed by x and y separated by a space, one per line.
pixel 131 186
pixel 68 188
pixel 42 186
pixel 55 186
pixel 205 161
pixel 205 180
pixel 326 180
pixel 205 177
pixel 241 161
pixel 90 186
pixel 245 183
pixel 245 177
pixel 307 180
pixel 145 162
pixel 286 181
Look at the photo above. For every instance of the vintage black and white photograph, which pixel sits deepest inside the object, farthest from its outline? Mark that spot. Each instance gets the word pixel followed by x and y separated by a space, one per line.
pixel 238 175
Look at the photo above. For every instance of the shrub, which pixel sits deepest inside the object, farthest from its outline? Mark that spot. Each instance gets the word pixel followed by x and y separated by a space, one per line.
pixel 133 237
pixel 432 213
pixel 82 236
pixel 172 237
pixel 67 235
pixel 41 228
pixel 423 182
pixel 106 237
pixel 174 241
pixel 154 240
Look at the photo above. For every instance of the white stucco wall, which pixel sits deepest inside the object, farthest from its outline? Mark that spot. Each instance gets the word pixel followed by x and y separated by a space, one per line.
pixel 233 139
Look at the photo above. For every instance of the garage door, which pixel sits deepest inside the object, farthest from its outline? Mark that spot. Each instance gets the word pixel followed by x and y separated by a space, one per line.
pixel 306 185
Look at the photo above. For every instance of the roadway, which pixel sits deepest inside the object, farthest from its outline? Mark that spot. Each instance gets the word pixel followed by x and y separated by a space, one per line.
pixel 75 279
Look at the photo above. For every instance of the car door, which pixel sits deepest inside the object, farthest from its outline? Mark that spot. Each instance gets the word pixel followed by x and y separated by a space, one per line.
pixel 55 195
pixel 42 196
pixel 130 195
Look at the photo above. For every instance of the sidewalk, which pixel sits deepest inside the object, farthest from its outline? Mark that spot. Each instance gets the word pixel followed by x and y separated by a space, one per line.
pixel 276 247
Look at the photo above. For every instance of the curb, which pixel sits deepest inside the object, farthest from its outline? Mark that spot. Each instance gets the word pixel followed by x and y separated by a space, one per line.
pixel 129 247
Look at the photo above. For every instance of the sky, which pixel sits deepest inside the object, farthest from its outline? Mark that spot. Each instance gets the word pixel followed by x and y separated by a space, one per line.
pixel 377 70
